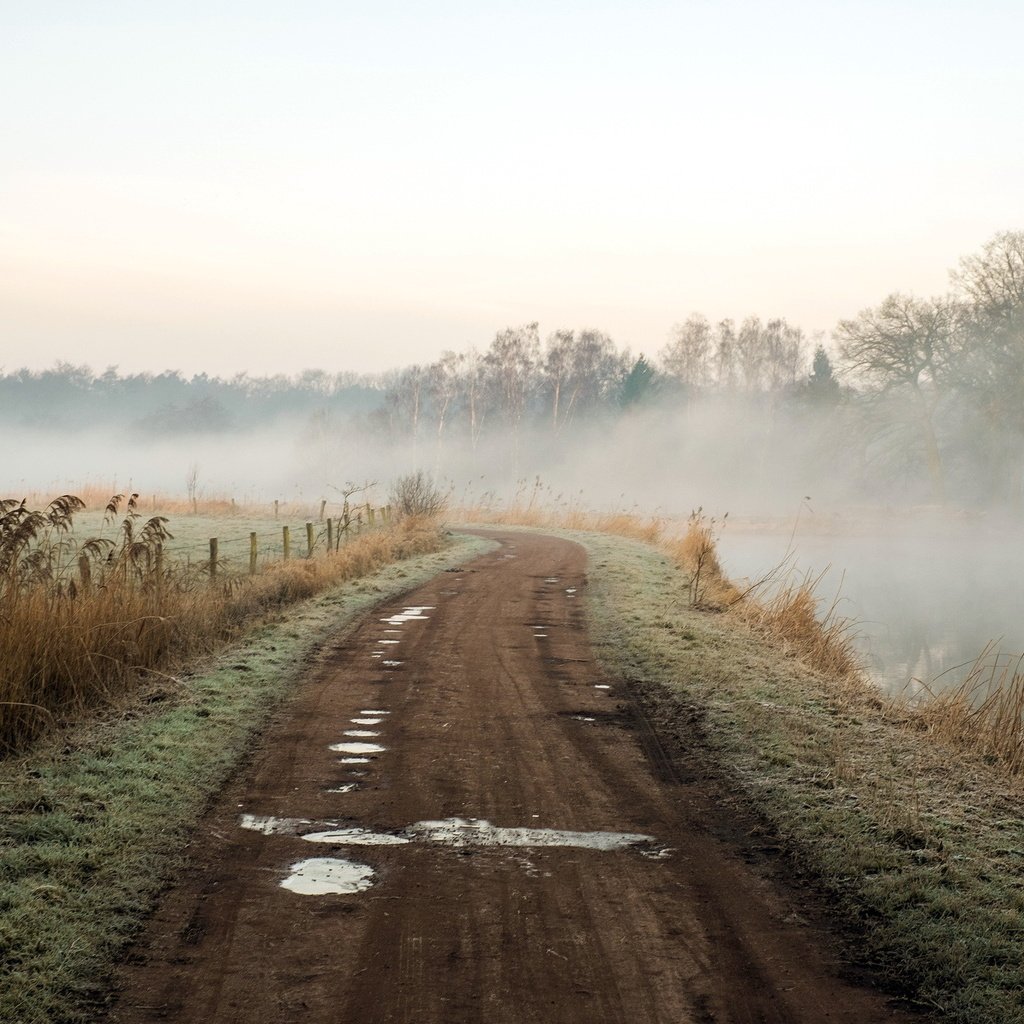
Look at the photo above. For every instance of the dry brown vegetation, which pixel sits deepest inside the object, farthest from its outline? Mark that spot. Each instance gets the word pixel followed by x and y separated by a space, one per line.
pixel 82 621
pixel 984 713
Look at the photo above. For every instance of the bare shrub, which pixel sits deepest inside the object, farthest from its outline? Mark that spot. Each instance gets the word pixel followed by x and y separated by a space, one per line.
pixel 416 494
pixel 696 552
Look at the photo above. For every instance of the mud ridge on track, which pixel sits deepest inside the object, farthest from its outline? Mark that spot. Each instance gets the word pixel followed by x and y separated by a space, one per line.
pixel 459 819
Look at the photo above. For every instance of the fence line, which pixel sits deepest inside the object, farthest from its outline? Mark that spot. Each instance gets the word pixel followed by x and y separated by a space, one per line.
pixel 329 539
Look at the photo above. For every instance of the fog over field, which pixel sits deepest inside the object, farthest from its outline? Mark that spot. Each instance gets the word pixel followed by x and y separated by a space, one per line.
pixel 906 429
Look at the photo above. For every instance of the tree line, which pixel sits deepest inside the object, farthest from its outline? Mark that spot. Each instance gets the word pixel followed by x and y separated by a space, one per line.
pixel 920 397
pixel 915 397
pixel 72 396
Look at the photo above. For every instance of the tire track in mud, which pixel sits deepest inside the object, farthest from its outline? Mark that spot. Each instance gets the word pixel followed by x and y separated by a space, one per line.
pixel 476 826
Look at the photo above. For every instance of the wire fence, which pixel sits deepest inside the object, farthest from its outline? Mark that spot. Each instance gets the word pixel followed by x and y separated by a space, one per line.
pixel 238 554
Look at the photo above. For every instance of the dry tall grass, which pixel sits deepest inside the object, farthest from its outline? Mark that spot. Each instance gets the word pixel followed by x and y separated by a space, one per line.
pixel 696 552
pixel 524 509
pixel 984 713
pixel 82 621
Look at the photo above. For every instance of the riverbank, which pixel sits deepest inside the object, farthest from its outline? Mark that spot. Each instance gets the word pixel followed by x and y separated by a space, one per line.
pixel 917 847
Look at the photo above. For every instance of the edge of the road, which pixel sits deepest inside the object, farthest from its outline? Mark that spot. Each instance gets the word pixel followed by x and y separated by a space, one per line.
pixel 96 820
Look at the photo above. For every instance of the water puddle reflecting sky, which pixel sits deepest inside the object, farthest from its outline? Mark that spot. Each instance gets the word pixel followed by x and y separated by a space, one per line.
pixel 357 748
pixel 328 876
pixel 451 832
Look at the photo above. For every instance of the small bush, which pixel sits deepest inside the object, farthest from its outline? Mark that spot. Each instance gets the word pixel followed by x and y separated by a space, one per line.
pixel 415 494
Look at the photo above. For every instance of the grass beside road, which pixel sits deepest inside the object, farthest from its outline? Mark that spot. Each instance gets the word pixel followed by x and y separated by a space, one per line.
pixel 93 822
pixel 918 845
pixel 85 617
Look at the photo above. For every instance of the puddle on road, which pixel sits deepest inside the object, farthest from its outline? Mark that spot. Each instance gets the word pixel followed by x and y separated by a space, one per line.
pixel 551 579
pixel 583 718
pixel 328 876
pixel 413 612
pixel 346 788
pixel 570 590
pixel 391 663
pixel 456 833
pixel 374 711
pixel 361 733
pixel 462 832
pixel 270 825
pixel 540 636
pixel 356 837
pixel 357 748
pixel 365 721
pixel 353 760
pixel 602 686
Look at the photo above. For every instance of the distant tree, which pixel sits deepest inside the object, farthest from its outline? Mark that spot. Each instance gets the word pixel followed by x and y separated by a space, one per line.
pixel 640 384
pixel 511 365
pixel 822 387
pixel 579 373
pixel 903 349
pixel 724 358
pixel 444 385
pixel 989 365
pixel 687 356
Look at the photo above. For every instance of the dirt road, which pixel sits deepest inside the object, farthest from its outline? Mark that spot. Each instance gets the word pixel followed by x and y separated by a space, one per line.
pixel 458 819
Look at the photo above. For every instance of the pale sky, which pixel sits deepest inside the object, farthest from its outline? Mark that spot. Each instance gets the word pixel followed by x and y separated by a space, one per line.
pixel 267 187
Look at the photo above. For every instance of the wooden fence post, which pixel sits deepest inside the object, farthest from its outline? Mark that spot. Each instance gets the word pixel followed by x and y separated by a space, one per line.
pixel 359 522
pixel 252 553
pixel 309 540
pixel 323 505
pixel 286 541
pixel 85 571
pixel 213 558
pixel 330 536
pixel 370 516
pixel 275 508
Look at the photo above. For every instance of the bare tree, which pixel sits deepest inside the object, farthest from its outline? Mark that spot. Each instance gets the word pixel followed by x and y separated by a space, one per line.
pixel 903 348
pixel 687 356
pixel 580 373
pixel 990 361
pixel 511 365
pixel 725 354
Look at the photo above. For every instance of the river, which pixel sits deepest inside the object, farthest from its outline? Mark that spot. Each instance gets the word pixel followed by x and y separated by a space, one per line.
pixel 924 602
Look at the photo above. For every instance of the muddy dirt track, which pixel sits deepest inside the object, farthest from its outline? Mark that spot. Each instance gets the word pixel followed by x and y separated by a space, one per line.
pixel 520 849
